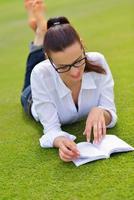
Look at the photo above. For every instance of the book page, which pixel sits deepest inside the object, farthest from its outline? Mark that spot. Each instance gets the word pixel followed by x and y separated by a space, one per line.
pixel 89 150
pixel 112 144
pixel 109 144
pixel 88 153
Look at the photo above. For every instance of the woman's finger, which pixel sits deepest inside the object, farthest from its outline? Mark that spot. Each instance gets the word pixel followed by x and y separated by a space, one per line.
pixel 95 132
pixel 64 156
pixel 100 130
pixel 72 147
pixel 88 132
pixel 66 150
pixel 104 127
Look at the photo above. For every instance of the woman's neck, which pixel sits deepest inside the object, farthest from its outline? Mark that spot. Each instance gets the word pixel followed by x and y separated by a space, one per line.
pixel 73 85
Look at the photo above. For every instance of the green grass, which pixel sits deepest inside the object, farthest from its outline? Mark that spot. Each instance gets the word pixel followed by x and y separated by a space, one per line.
pixel 26 170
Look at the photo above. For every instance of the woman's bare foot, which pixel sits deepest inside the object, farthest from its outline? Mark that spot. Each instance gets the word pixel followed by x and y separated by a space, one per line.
pixel 39 14
pixel 31 19
pixel 38 10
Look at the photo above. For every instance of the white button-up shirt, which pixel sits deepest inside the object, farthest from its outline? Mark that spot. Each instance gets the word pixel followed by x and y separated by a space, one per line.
pixel 53 104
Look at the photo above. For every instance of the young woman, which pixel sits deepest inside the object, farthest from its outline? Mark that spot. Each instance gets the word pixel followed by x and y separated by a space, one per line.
pixel 67 85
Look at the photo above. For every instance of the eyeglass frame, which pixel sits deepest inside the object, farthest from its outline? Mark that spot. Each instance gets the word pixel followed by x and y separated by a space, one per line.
pixel 69 65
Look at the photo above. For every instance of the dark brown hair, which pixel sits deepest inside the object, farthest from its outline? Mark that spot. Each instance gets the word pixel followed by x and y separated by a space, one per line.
pixel 60 35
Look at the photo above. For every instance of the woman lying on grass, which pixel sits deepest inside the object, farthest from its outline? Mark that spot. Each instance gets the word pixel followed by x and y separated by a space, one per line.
pixel 67 85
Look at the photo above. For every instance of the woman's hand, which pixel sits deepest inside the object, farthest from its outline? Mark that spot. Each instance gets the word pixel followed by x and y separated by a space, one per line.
pixel 96 123
pixel 67 149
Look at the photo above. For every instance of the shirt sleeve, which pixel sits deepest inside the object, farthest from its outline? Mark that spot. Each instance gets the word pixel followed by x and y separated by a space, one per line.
pixel 46 112
pixel 106 100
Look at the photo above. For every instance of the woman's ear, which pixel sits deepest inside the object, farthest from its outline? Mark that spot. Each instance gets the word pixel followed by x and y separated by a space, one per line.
pixel 46 56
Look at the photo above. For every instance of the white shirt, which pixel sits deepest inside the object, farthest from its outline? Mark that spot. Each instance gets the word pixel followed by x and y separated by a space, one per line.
pixel 53 105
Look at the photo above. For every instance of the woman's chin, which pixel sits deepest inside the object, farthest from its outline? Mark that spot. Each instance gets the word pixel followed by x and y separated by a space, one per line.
pixel 76 78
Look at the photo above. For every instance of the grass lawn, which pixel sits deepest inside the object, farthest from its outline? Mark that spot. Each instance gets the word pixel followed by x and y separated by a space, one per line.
pixel 28 172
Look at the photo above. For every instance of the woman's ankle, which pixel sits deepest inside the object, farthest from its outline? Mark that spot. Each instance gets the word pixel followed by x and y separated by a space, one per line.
pixel 39 36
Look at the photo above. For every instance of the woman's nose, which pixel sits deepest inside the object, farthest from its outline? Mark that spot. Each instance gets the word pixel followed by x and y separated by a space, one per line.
pixel 75 71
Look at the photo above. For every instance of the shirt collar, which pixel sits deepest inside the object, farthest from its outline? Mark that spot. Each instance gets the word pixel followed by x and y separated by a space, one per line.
pixel 88 82
pixel 62 89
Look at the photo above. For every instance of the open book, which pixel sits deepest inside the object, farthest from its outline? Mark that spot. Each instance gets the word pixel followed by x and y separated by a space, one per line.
pixel 109 144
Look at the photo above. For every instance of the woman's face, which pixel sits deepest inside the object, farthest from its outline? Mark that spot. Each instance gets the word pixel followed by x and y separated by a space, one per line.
pixel 73 54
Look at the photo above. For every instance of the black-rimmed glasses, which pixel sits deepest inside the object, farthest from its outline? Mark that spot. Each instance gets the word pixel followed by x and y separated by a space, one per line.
pixel 66 68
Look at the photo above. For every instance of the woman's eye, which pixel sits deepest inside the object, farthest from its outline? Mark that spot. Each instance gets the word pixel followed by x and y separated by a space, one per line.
pixel 64 67
pixel 78 62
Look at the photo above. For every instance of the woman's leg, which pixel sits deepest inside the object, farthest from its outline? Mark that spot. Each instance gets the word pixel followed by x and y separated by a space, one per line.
pixel 36 52
pixel 33 59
